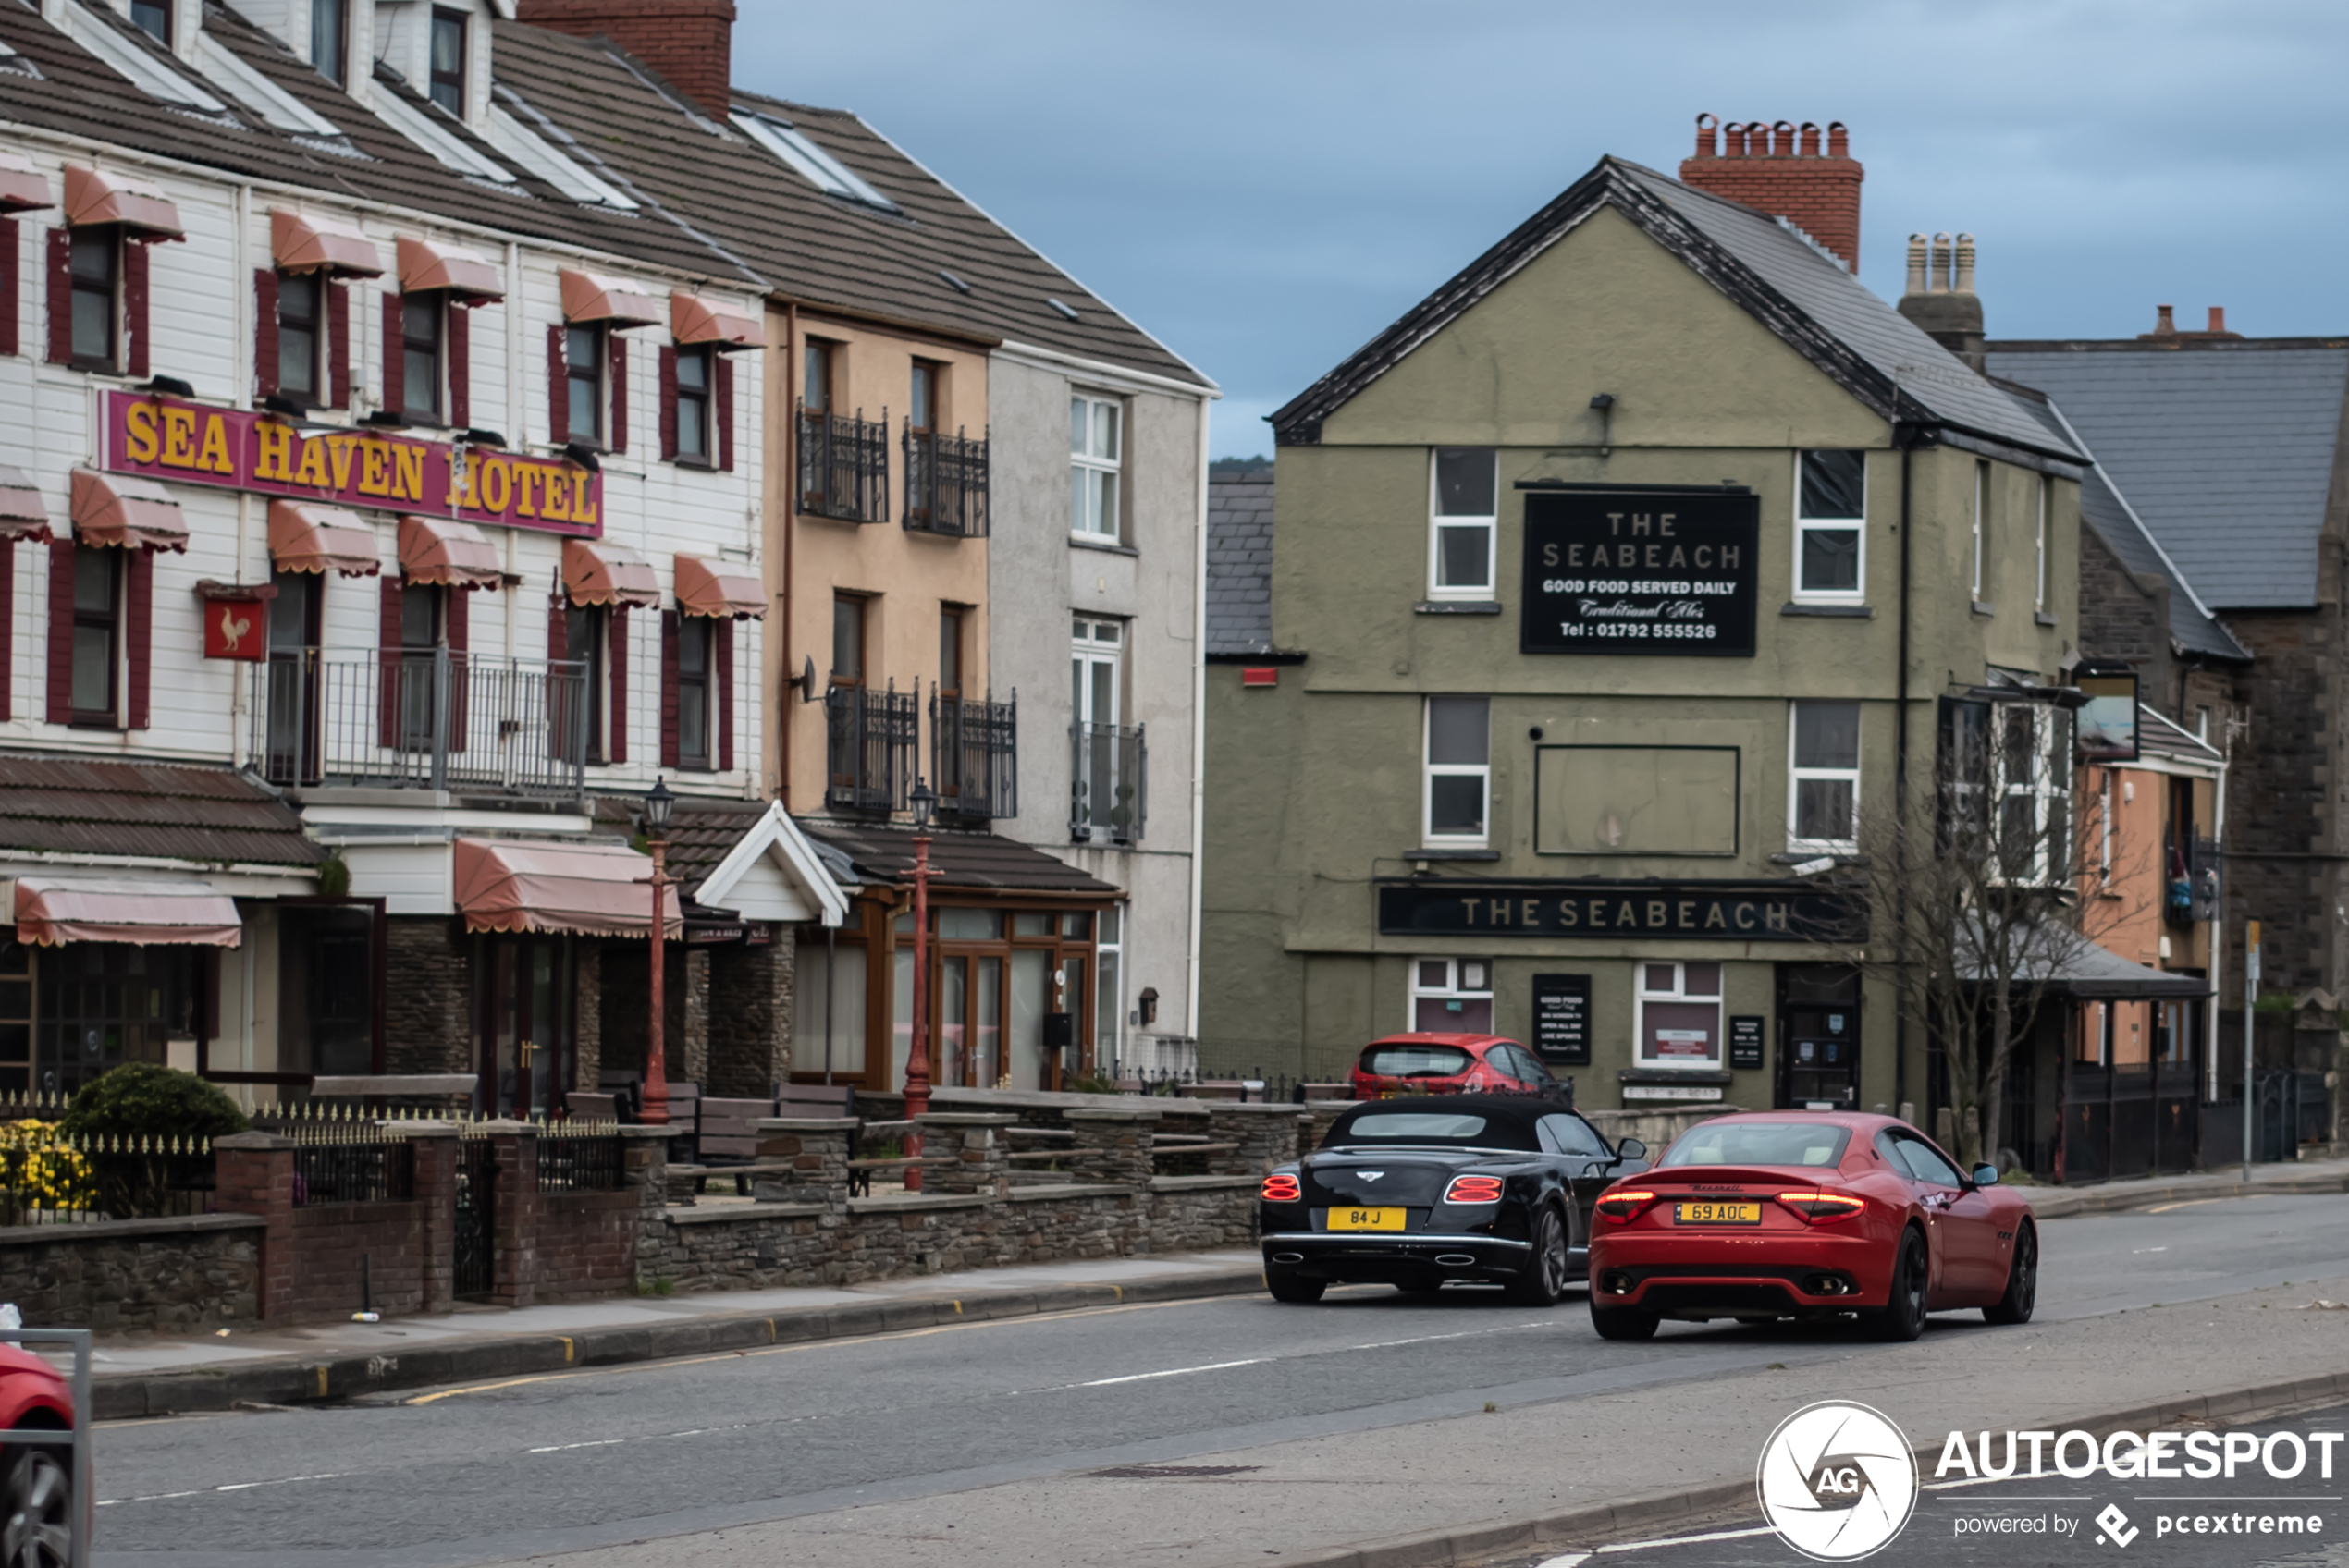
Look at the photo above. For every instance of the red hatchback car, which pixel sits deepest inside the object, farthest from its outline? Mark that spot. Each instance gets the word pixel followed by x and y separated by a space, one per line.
pixel 36 1482
pixel 1797 1214
pixel 1451 1065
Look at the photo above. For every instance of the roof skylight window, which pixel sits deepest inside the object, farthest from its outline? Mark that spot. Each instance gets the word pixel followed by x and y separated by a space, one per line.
pixel 953 282
pixel 1062 307
pixel 814 165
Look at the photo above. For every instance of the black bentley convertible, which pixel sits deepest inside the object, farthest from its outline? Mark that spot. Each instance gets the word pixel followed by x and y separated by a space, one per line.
pixel 1493 1189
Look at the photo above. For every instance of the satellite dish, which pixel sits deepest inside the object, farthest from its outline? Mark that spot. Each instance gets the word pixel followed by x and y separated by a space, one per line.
pixel 806 682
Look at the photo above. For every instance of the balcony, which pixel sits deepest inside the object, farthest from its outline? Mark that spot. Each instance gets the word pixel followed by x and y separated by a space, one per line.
pixel 945 483
pixel 974 755
pixel 870 747
pixel 844 467
pixel 421 718
pixel 1109 789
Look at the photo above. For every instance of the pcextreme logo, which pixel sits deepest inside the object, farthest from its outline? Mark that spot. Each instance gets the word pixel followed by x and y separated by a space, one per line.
pixel 1837 1481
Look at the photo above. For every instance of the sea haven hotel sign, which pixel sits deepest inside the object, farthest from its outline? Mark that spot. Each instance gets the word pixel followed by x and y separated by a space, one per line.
pixel 237 449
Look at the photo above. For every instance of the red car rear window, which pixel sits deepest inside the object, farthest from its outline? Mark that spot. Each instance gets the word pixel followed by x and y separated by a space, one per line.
pixel 1416 1061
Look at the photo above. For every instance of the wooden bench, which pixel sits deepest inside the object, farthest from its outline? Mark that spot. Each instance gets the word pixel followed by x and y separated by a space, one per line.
pixel 581 1105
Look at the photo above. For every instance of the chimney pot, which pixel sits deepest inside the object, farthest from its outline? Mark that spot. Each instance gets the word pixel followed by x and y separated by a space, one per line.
pixel 1963 283
pixel 2164 324
pixel 1917 243
pixel 1708 139
pixel 2217 318
pixel 1810 139
pixel 688 42
pixel 1782 140
pixel 1839 140
pixel 1818 195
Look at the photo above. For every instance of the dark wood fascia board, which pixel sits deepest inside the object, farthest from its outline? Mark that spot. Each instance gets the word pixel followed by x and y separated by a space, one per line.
pixel 849 315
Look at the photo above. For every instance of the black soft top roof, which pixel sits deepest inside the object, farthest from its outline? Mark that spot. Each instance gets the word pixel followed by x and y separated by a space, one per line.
pixel 1509 1119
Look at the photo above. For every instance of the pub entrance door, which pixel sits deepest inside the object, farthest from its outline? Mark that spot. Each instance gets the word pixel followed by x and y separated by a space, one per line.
pixel 1818 1037
pixel 528 1043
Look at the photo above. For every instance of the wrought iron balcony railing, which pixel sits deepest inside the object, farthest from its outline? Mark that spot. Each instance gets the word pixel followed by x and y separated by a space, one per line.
pixel 870 746
pixel 974 757
pixel 945 483
pixel 1109 789
pixel 844 466
pixel 422 719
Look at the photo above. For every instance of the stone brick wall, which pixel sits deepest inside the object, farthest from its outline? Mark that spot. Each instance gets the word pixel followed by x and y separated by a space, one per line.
pixel 333 1242
pixel 586 1244
pixel 624 1004
pixel 2277 802
pixel 1815 187
pixel 750 1011
pixel 427 995
pixel 135 1276
pixel 2123 616
pixel 690 43
pixel 588 1016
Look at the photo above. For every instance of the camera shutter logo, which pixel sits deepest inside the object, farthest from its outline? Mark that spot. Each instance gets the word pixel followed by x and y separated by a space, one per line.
pixel 1837 1481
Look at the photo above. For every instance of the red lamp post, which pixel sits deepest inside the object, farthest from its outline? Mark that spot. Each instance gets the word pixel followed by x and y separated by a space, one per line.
pixel 917 1049
pixel 658 803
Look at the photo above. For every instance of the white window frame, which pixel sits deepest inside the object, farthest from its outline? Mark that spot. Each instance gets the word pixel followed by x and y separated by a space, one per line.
pixel 1806 525
pixel 2104 827
pixel 2044 786
pixel 1678 995
pixel 1452 990
pixel 1430 771
pixel 1981 519
pixel 1440 522
pixel 1084 520
pixel 2046 485
pixel 1796 774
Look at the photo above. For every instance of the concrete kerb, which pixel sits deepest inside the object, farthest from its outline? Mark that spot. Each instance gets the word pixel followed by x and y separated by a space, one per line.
pixel 2060 1204
pixel 1598 1522
pixel 302 1380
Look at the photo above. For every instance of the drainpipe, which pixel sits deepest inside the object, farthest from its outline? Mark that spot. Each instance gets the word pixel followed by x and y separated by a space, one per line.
pixel 1901 804
pixel 1198 723
pixel 791 530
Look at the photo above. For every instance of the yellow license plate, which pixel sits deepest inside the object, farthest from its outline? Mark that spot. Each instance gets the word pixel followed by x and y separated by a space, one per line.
pixel 1716 1214
pixel 1366 1218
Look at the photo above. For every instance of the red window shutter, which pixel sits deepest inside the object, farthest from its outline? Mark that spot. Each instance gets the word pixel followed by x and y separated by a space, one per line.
pixel 458 624
pixel 669 405
pixel 9 258
pixel 557 385
pixel 139 633
pixel 669 749
pixel 338 345
pixel 134 306
pixel 461 363
pixel 558 707
pixel 722 669
pixel 616 676
pixel 60 285
pixel 7 629
pixel 61 629
pixel 264 330
pixel 722 411
pixel 395 355
pixel 388 669
pixel 619 393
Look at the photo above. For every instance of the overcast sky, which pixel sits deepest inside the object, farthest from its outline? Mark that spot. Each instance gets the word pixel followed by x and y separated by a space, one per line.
pixel 1264 186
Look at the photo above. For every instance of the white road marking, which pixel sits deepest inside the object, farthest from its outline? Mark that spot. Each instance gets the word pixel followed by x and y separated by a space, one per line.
pixel 2139 1252
pixel 230 1487
pixel 600 1443
pixel 1173 1372
pixel 1689 1540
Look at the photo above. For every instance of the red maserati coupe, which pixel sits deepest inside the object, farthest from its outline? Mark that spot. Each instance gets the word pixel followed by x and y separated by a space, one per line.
pixel 1803 1214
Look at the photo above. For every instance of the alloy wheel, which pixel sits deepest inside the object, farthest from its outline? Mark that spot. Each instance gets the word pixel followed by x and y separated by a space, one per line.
pixel 36 1529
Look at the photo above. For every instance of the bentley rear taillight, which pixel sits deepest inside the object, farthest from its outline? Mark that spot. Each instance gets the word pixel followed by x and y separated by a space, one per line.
pixel 1279 1189
pixel 1625 1207
pixel 1474 1189
pixel 1822 1208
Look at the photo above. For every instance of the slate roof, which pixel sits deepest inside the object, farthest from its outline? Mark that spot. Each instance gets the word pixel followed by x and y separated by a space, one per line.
pixel 973 861
pixel 1786 282
pixel 152 810
pixel 2224 448
pixel 1240 565
pixel 811 247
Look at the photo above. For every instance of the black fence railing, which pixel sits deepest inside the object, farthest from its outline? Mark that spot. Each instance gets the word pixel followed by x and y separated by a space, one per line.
pixel 587 1161
pixel 945 483
pixel 974 757
pixel 352 1163
pixel 47 1178
pixel 844 466
pixel 1109 783
pixel 473 1246
pixel 871 742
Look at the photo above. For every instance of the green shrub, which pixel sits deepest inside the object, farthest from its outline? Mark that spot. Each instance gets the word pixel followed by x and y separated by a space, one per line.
pixel 140 1098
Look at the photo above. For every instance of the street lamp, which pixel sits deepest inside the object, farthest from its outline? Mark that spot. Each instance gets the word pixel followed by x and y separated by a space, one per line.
pixel 658 803
pixel 923 801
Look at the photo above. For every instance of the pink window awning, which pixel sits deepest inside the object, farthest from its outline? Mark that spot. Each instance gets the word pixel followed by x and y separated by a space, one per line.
pixel 23 189
pixel 321 539
pixel 697 322
pixel 438 549
pixel 533 885
pixel 23 514
pixel 52 911
pixel 305 242
pixel 588 298
pixel 93 198
pixel 596 572
pixel 132 514
pixel 427 265
pixel 719 590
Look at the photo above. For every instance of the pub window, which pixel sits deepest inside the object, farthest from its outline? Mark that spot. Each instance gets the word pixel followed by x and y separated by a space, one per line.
pixel 1460 773
pixel 1452 996
pixel 1822 787
pixel 330 39
pixel 692 405
pixel 97 634
pixel 696 692
pixel 301 329
pixel 1829 525
pixel 2046 486
pixel 1460 533
pixel 1095 442
pixel 1981 523
pixel 96 269
pixel 1678 1015
pixel 448 86
pixel 422 319
pixel 584 359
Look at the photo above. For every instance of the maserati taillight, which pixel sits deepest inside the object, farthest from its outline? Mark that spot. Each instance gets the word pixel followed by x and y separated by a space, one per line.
pixel 1279 1189
pixel 1625 1207
pixel 1822 1208
pixel 1474 1189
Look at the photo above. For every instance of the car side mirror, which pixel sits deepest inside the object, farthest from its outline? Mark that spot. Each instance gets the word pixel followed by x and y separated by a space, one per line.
pixel 1630 1148
pixel 1986 1175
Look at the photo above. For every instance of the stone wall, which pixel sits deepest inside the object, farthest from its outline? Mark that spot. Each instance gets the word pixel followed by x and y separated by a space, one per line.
pixel 2277 803
pixel 2125 616
pixel 586 1244
pixel 336 1243
pixel 427 995
pixel 135 1276
pixel 750 1012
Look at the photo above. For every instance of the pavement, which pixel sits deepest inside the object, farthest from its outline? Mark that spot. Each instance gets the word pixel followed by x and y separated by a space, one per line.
pixel 153 1375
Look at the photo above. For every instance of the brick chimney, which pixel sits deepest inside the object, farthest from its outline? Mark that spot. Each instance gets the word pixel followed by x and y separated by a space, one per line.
pixel 1782 169
pixel 689 43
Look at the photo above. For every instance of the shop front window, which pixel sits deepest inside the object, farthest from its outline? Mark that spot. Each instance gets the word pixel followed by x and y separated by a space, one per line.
pixel 1452 996
pixel 105 1003
pixel 1680 1015
pixel 828 1000
pixel 15 1018
pixel 325 989
pixel 1010 993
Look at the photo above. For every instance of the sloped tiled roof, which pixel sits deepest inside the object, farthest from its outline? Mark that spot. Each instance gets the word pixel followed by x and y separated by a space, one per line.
pixel 2225 450
pixel 811 247
pixel 1240 565
pixel 976 862
pixel 153 810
